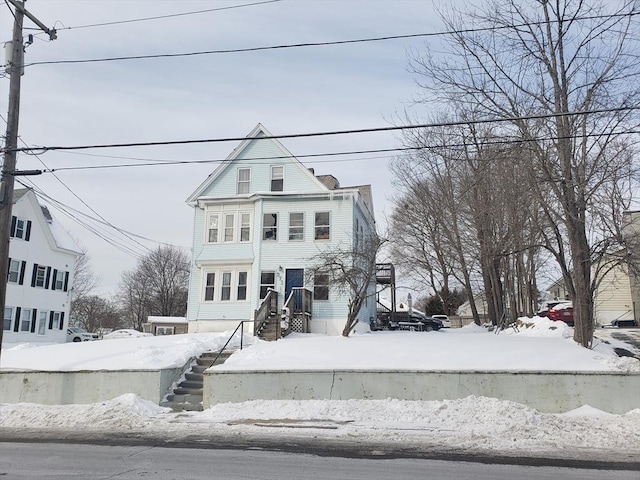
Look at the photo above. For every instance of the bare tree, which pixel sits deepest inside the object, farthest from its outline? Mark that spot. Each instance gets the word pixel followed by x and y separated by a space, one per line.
pixel 351 270
pixel 84 281
pixel 92 313
pixel 157 286
pixel 576 63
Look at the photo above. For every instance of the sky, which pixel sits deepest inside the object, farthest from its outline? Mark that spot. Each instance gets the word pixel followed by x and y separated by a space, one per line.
pixel 471 424
pixel 297 90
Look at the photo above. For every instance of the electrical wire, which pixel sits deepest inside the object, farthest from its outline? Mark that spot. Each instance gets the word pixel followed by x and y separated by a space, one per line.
pixel 172 15
pixel 324 43
pixel 44 149
pixel 105 221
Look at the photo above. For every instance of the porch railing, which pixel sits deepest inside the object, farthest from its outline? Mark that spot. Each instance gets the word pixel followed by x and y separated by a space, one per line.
pixel 299 305
pixel 266 312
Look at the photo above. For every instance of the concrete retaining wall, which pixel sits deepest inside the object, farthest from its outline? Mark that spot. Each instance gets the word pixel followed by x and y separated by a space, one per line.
pixel 64 388
pixel 553 392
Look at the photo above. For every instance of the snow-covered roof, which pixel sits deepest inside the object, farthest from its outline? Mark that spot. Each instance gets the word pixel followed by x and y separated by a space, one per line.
pixel 155 319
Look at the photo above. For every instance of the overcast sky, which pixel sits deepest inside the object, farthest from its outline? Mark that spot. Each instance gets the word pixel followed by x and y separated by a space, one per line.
pixel 295 90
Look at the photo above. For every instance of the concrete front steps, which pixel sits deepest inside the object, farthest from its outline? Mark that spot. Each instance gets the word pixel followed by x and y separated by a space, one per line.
pixel 187 394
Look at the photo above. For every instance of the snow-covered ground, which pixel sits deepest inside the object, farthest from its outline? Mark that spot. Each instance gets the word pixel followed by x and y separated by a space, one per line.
pixel 470 424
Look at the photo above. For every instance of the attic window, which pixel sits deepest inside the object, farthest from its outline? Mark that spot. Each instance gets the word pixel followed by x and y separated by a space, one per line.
pixel 244 180
pixel 277 178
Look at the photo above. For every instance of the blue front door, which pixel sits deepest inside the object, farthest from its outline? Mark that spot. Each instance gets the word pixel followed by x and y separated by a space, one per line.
pixel 294 278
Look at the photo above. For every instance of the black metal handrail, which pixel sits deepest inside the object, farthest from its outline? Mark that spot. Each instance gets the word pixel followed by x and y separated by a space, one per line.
pixel 241 327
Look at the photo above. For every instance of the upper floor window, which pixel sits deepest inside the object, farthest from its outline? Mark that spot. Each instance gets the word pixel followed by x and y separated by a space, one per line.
pixel 59 277
pixel 214 223
pixel 245 227
pixel 20 228
pixel 39 276
pixel 322 226
pixel 321 286
pixel 225 293
pixel 277 178
pixel 270 226
pixel 14 271
pixel 229 223
pixel 296 226
pixel 244 180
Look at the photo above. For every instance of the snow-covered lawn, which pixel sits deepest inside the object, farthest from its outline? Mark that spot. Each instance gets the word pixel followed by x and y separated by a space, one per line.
pixel 472 423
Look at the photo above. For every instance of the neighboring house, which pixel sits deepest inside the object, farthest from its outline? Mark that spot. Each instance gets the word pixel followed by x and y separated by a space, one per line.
pixel 258 220
pixel 165 325
pixel 42 258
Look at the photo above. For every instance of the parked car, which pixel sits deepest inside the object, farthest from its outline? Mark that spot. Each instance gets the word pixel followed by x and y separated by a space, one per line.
pixel 429 323
pixel 444 319
pixel 76 334
pixel 125 333
pixel 562 312
pixel 544 311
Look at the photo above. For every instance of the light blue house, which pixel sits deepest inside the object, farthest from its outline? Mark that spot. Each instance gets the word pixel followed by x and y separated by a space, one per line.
pixel 258 220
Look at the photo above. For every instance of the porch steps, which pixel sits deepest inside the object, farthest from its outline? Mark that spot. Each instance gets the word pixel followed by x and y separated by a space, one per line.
pixel 269 330
pixel 187 394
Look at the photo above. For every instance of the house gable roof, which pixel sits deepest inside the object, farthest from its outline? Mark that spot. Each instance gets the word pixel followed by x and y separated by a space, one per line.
pixel 57 237
pixel 247 150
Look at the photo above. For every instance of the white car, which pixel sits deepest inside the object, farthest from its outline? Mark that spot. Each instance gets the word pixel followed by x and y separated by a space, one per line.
pixel 444 319
pixel 125 333
pixel 76 334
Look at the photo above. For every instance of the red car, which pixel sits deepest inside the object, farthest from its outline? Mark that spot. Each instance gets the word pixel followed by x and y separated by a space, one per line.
pixel 562 312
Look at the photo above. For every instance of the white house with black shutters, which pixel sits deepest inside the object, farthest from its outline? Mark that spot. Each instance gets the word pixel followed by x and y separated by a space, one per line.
pixel 42 258
pixel 259 219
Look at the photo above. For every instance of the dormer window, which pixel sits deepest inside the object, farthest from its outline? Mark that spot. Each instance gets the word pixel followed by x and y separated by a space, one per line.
pixel 244 180
pixel 277 178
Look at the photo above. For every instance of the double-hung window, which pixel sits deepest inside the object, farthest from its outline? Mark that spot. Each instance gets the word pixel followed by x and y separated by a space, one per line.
pixel 296 226
pixel 41 275
pixel 229 224
pixel 55 320
pixel 8 316
pixel 20 228
pixel 267 281
pixel 321 286
pixel 225 292
pixel 244 180
pixel 270 226
pixel 277 178
pixel 322 225
pixel 242 286
pixel 14 271
pixel 58 281
pixel 213 228
pixel 209 289
pixel 42 322
pixel 25 324
pixel 245 227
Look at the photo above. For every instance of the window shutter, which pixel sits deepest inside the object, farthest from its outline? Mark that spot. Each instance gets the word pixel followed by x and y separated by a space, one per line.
pixel 55 275
pixel 23 267
pixel 27 234
pixel 66 280
pixel 8 267
pixel 48 277
pixel 61 320
pixel 50 320
pixel 33 275
pixel 34 317
pixel 16 325
pixel 13 226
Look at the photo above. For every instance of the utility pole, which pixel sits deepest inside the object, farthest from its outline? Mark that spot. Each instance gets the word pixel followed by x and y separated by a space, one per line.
pixel 15 68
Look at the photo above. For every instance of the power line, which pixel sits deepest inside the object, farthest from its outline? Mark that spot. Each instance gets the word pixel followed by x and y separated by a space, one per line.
pixel 324 43
pixel 172 15
pixel 44 149
pixel 257 160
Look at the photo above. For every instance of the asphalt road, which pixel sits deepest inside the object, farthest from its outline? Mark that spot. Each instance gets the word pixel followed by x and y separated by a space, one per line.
pixel 53 461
